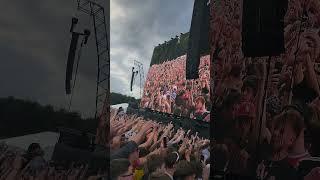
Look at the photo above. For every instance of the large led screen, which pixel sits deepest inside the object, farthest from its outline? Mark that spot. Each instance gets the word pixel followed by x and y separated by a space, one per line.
pixel 268 132
pixel 167 90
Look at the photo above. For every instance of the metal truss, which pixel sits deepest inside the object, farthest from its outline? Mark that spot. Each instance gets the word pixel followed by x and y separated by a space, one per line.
pixel 96 11
pixel 139 66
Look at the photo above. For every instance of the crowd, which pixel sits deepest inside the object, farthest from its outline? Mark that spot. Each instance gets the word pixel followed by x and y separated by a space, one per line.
pixel 16 164
pixel 146 150
pixel 139 150
pixel 167 90
pixel 272 135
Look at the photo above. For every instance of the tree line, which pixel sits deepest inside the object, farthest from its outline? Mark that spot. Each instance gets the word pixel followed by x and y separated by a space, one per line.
pixel 20 117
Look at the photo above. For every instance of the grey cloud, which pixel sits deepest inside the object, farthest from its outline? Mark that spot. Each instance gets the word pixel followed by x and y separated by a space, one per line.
pixel 34 45
pixel 35 41
pixel 146 24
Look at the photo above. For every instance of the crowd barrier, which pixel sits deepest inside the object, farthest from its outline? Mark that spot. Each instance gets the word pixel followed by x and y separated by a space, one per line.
pixel 203 128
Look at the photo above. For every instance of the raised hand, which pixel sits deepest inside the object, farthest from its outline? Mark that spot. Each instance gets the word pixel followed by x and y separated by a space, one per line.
pixel 83 172
pixel 261 171
pixel 73 173
pixel 275 76
pixel 148 125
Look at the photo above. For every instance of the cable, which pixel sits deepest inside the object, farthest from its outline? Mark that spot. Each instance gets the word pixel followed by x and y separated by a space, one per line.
pixel 291 86
pixel 295 58
pixel 75 76
pixel 263 107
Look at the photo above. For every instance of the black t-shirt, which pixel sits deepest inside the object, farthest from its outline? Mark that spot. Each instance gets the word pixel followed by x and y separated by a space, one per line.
pixel 306 165
pixel 201 116
pixel 281 170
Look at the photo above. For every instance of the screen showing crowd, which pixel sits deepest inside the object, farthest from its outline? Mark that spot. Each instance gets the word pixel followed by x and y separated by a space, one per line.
pixel 279 130
pixel 167 90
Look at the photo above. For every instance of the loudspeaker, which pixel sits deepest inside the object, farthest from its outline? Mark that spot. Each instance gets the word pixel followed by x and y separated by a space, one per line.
pixel 132 76
pixel 70 62
pixel 198 39
pixel 263 27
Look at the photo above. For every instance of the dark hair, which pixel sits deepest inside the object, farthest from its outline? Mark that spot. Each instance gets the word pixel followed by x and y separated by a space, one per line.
pixel 184 169
pixel 251 82
pixel 118 167
pixel 201 99
pixel 177 111
pixel 33 146
pixel 34 150
pixel 159 176
pixel 293 117
pixel 171 159
pixel 197 165
pixel 230 98
pixel 153 162
pixel 143 152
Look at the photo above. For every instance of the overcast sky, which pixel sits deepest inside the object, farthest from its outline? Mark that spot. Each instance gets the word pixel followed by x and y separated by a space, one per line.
pixel 35 41
pixel 137 26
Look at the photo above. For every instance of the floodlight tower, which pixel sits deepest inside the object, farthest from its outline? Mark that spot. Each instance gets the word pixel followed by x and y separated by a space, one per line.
pixel 139 66
pixel 96 12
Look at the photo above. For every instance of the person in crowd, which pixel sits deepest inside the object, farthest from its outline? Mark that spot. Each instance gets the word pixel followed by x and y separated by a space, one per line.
pixel 121 169
pixel 223 111
pixel 184 171
pixel 234 78
pixel 158 176
pixel 200 111
pixel 120 111
pixel 239 139
pixel 154 164
pixel 35 157
pixel 249 89
pixel 171 161
pixel 287 129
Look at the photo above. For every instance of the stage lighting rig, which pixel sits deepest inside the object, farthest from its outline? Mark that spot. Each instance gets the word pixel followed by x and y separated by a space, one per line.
pixel 96 12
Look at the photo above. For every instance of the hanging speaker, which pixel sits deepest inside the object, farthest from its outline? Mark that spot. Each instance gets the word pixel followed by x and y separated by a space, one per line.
pixel 70 62
pixel 198 39
pixel 132 76
pixel 263 27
